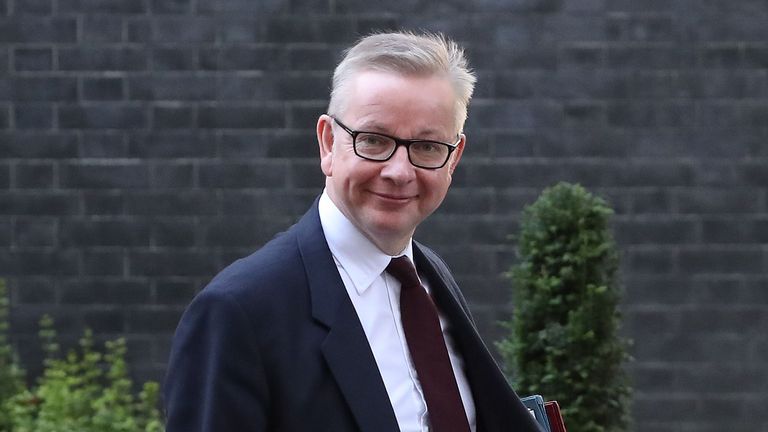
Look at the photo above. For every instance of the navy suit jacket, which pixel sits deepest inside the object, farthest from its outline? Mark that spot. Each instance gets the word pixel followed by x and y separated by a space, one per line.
pixel 273 343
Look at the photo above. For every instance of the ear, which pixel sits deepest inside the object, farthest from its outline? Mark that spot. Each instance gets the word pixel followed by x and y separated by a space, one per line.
pixel 325 141
pixel 456 155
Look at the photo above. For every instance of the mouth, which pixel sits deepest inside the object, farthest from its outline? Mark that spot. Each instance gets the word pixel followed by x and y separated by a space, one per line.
pixel 394 198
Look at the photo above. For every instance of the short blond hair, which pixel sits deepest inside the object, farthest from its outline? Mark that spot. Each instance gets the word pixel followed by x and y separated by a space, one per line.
pixel 406 53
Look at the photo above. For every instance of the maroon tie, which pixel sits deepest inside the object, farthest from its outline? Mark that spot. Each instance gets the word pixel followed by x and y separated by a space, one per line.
pixel 428 352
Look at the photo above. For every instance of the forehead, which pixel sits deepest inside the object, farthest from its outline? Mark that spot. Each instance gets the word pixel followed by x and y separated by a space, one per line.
pixel 404 104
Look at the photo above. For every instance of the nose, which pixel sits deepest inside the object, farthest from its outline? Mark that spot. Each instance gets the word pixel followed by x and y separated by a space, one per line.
pixel 398 168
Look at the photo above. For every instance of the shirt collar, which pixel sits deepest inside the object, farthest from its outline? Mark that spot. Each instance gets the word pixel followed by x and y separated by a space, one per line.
pixel 361 259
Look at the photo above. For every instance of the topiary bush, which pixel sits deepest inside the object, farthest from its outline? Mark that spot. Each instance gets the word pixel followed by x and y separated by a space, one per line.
pixel 563 340
pixel 83 391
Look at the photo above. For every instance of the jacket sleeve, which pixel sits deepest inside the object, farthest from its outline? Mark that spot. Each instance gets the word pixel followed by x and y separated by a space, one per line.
pixel 215 380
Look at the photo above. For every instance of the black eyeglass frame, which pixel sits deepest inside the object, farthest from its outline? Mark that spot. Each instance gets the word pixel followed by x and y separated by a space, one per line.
pixel 398 142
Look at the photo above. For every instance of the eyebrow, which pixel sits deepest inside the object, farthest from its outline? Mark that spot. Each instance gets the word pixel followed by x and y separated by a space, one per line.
pixel 427 134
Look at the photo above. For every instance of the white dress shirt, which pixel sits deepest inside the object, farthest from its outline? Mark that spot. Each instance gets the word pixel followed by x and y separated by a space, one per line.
pixel 375 295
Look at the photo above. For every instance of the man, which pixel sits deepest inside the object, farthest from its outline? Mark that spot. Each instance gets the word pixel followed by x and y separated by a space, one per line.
pixel 328 327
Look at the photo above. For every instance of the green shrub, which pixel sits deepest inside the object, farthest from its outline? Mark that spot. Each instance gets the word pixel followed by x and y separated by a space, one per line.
pixel 83 391
pixel 11 374
pixel 563 341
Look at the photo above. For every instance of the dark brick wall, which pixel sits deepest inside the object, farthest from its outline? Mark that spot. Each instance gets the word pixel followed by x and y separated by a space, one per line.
pixel 145 144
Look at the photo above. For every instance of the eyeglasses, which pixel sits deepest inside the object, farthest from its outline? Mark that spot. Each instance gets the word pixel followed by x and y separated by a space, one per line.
pixel 380 147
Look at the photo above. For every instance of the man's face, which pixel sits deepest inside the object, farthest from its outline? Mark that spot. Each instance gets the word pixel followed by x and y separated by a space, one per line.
pixel 387 200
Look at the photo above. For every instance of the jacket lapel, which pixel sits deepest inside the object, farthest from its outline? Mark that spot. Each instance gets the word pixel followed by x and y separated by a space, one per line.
pixel 345 348
pixel 497 406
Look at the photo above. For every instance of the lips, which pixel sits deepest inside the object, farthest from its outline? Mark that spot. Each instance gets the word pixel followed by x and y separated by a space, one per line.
pixel 394 197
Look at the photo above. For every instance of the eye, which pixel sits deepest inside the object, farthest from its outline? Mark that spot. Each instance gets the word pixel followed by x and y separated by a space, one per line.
pixel 372 140
pixel 427 147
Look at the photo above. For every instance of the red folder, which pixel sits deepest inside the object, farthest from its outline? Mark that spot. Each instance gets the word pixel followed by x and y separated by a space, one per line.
pixel 556 423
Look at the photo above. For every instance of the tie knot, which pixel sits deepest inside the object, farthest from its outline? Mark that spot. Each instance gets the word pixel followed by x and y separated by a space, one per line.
pixel 402 270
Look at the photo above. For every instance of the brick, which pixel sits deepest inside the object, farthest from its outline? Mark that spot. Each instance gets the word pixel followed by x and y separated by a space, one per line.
pixel 242 117
pixel 5 176
pixel 172 58
pixel 34 175
pixel 170 6
pixel 515 115
pixel 37 291
pixel 754 115
pixel 311 58
pixel 184 30
pixel 655 231
pixel 174 232
pixel 102 263
pixel 229 6
pixel 103 6
pixel 305 174
pixel 246 232
pixel 181 263
pixel 756 56
pixel 303 87
pixel 121 292
pixel 41 203
pixel 103 145
pixel 102 116
pixel 329 29
pixel 728 56
pixel 6 233
pixel 33 59
pixel 290 144
pixel 647 260
pixel 270 203
pixel 233 87
pixel 32 29
pixel 621 27
pixel 649 57
pixel 103 89
pixel 263 175
pixel 239 30
pixel 177 203
pixel 153 321
pixel 34 7
pixel 45 263
pixel 33 116
pixel 102 59
pixel 178 88
pixel 236 57
pixel 43 89
pixel 110 320
pixel 34 145
pixel 175 292
pixel 722 260
pixel 90 232
pixel 102 28
pixel 103 203
pixel 172 175
pixel 172 145
pixel 173 117
pixel 714 201
pixel 657 289
pixel 731 28
pixel 35 233
pixel 305 115
pixel 104 176
pixel 139 30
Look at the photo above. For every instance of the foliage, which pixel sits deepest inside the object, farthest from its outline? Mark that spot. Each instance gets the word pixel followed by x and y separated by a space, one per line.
pixel 83 391
pixel 563 341
pixel 11 374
